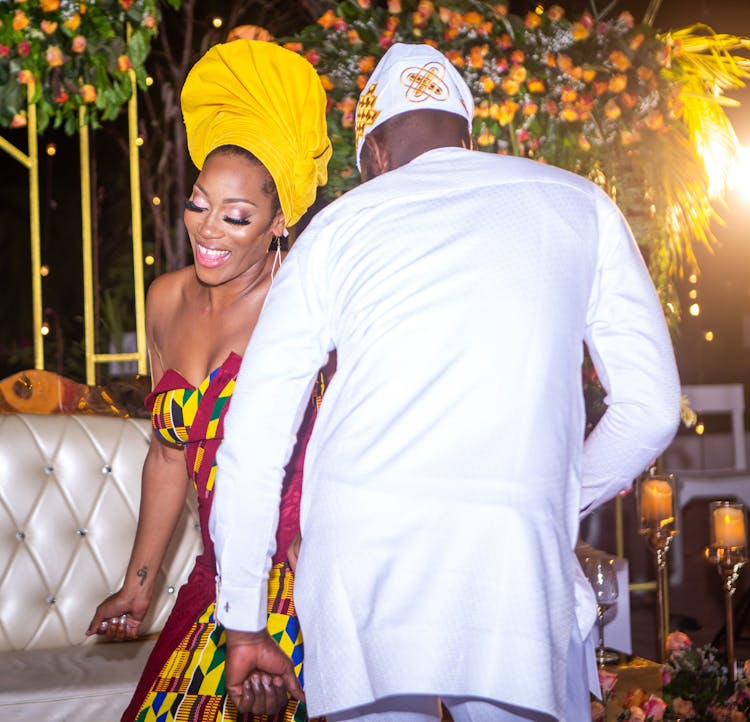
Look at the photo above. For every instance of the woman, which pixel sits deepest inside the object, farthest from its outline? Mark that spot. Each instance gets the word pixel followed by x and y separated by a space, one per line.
pixel 255 120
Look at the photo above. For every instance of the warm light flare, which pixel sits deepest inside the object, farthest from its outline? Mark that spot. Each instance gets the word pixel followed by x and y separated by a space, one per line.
pixel 695 309
pixel 217 22
pixel 709 336
pixel 739 174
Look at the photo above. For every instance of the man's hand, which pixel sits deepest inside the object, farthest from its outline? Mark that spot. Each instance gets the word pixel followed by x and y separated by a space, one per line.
pixel 258 674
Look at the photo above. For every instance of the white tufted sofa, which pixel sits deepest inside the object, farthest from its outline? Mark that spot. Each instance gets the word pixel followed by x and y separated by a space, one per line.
pixel 69 494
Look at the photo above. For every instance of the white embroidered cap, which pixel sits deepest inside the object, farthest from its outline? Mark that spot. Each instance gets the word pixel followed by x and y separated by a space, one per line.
pixel 411 77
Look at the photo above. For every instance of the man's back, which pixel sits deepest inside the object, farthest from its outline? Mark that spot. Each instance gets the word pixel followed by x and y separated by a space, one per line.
pixel 455 419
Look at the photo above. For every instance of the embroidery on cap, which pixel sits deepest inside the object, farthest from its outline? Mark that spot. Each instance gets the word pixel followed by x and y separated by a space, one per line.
pixel 366 113
pixel 425 82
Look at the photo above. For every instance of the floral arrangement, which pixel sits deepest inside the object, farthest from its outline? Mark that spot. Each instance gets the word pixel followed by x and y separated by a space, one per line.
pixel 75 54
pixel 608 98
pixel 695 686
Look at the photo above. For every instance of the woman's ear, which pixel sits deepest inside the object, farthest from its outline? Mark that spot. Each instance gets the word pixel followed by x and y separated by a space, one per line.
pixel 278 224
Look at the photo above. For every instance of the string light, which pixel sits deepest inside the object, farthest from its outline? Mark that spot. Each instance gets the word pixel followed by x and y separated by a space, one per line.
pixel 156 201
pixel 44 330
pixel 700 428
pixel 44 270
pixel 539 9
pixel 709 336
pixel 693 278
pixel 139 140
pixel 695 309
pixel 51 149
pixel 149 260
pixel 217 22
pixel 149 81
pixel 693 294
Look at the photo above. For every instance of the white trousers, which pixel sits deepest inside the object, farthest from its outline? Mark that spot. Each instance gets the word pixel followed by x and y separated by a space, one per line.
pixel 415 708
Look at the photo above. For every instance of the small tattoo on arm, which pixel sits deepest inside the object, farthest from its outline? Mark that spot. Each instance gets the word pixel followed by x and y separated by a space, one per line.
pixel 142 573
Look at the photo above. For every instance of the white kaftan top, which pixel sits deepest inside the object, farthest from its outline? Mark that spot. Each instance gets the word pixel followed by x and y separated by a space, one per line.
pixel 446 471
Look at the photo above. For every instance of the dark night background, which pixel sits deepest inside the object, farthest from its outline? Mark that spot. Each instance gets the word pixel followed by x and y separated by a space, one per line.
pixel 723 287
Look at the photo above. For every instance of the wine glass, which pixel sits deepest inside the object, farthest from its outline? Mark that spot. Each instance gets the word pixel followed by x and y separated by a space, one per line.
pixel 600 571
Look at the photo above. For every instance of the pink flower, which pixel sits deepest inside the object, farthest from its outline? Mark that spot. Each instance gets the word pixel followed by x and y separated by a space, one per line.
pixel 666 676
pixel 4 51
pixel 607 681
pixel 637 715
pixel 654 708
pixel 678 642
pixel 23 48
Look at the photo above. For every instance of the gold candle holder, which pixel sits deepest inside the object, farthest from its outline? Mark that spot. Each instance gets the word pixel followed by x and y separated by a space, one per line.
pixel 728 551
pixel 655 503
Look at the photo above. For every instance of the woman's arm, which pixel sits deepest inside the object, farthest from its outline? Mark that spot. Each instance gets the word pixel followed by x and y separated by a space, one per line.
pixel 164 485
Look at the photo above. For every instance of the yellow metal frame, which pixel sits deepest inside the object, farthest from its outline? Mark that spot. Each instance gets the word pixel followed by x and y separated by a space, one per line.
pixel 31 162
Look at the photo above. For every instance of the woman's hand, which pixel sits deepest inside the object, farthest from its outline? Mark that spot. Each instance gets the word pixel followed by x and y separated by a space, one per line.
pixel 119 616
pixel 292 553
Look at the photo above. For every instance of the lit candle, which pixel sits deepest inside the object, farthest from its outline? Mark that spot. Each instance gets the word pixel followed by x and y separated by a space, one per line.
pixel 729 527
pixel 656 502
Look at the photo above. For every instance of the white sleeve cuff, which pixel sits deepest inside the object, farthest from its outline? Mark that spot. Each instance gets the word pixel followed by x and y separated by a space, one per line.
pixel 244 609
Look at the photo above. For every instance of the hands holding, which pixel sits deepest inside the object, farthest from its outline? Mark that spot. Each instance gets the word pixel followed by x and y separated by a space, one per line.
pixel 119 616
pixel 259 676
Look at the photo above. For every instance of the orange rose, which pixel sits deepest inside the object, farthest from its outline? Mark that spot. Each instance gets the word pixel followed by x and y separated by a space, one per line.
pixel 530 108
pixel 517 56
pixel 612 111
pixel 485 138
pixel 20 21
pixel 645 73
pixel 149 21
pixel 488 84
pixel 532 20
pixel 82 8
pixel 551 107
pixel 628 100
pixel 124 64
pixel 443 13
pixel 456 58
pixel 49 6
pixel 347 104
pixel 327 19
pixel 588 75
pixel 366 64
pixel 501 9
pixel 636 42
pixel 580 31
pixel 619 60
pixel 535 85
pixel 449 34
pixel 601 86
pixel 73 22
pixel 25 77
pixel 618 83
pixel 394 7
pixel 431 43
pixel 569 113
pixel 294 47
pixel 473 19
pixel 425 8
pixel 507 112
pixel 568 94
pixel 88 93
pixel 509 86
pixel 565 64
pixel 628 137
pixel 482 110
pixel 364 4
pixel 361 81
pixel 518 73
pixel 126 4
pixel 347 120
pixel 325 81
pixel 583 142
pixel 79 43
pixel 48 27
pixel 626 19
pixel 353 37
pixel 418 21
pixel 54 56
pixel 555 13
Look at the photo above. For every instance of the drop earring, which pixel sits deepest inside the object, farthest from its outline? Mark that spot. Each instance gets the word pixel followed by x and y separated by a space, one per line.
pixel 277 256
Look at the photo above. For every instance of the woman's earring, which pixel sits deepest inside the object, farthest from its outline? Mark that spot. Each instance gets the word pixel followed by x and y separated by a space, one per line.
pixel 277 257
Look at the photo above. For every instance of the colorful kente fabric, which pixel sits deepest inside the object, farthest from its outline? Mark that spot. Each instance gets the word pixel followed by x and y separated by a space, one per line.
pixel 183 678
pixel 190 687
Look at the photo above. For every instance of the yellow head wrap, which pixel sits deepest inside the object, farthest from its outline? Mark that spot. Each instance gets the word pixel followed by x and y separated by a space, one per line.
pixel 269 101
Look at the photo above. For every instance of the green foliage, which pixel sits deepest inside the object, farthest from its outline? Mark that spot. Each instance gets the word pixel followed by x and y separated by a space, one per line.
pixel 72 55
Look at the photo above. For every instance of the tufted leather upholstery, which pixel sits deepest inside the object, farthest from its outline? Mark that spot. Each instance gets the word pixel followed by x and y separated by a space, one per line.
pixel 69 494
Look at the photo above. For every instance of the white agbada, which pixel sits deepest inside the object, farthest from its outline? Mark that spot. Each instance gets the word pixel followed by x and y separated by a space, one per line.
pixel 446 471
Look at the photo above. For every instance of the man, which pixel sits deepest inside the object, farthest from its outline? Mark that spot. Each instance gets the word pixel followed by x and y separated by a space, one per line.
pixel 447 471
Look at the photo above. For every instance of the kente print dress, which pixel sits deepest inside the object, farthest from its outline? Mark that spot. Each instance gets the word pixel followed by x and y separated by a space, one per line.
pixel 184 676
